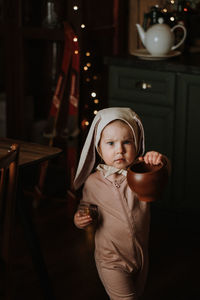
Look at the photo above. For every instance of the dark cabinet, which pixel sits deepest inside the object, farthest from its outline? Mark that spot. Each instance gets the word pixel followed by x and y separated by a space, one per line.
pixel 151 96
pixel 187 144
pixel 168 104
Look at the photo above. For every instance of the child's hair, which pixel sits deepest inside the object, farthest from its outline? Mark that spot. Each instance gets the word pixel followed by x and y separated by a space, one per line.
pixel 102 119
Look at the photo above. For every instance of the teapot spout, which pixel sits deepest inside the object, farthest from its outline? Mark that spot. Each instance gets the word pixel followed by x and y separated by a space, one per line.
pixel 141 33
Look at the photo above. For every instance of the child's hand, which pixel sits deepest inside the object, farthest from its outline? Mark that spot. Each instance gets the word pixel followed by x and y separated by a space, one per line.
pixel 152 157
pixel 82 221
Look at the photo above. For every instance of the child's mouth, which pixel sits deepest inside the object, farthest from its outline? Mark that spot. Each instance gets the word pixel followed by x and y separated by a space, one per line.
pixel 120 160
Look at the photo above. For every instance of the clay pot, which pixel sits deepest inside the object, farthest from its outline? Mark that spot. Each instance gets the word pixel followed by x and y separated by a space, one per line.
pixel 148 181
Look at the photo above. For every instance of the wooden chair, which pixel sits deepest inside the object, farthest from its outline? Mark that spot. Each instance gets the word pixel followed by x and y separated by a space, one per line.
pixel 8 190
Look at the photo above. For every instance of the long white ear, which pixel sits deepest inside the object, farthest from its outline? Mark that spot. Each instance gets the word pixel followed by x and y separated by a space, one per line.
pixel 141 138
pixel 88 156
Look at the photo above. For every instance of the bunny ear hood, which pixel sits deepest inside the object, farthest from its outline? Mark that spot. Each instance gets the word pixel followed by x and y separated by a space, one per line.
pixel 103 118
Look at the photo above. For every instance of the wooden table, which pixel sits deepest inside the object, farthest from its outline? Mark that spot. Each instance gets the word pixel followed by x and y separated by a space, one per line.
pixel 32 154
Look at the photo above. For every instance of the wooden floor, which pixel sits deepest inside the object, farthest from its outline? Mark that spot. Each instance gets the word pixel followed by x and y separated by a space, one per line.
pixel 68 252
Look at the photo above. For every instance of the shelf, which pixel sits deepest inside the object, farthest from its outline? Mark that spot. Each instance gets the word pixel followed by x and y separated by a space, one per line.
pixel 102 28
pixel 43 33
pixel 2 30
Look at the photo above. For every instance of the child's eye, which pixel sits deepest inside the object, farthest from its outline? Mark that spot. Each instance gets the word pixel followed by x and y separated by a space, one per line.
pixel 127 142
pixel 110 143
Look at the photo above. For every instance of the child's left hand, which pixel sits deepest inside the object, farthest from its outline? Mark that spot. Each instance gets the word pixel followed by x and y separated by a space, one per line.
pixel 152 157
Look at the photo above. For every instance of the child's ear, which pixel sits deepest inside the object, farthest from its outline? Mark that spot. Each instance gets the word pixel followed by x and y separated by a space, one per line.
pixel 98 161
pixel 99 151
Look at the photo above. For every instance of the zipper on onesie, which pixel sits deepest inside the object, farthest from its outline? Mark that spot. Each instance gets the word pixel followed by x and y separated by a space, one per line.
pixel 116 184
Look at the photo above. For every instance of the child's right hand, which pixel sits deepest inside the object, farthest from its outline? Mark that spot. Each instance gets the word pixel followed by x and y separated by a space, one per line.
pixel 82 221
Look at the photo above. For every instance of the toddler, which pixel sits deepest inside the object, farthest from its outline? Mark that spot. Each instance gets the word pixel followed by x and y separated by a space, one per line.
pixel 121 237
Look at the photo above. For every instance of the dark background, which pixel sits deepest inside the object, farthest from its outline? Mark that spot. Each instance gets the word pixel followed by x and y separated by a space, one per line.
pixel 28 75
pixel 29 69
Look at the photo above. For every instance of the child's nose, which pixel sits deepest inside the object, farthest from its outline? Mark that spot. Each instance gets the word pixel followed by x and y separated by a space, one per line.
pixel 120 148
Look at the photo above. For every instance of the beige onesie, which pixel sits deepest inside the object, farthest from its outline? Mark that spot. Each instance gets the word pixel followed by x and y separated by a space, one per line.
pixel 121 238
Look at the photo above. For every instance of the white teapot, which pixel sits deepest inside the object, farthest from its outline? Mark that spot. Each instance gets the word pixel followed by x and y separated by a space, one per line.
pixel 159 38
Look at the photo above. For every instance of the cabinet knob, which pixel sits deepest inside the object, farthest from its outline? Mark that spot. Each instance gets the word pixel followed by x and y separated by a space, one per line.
pixel 143 85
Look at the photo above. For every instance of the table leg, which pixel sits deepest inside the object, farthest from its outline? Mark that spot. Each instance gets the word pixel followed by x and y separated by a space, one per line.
pixel 38 189
pixel 33 243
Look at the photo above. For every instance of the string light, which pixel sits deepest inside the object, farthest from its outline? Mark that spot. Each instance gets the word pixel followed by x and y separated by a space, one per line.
pixel 89 78
pixel 84 123
pixel 172 19
pixel 93 94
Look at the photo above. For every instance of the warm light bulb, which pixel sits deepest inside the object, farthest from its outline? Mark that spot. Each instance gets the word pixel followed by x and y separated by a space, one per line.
pixel 88 64
pixel 95 77
pixel 96 101
pixel 164 10
pixel 87 53
pixel 93 94
pixel 85 68
pixel 84 123
pixel 172 19
pixel 172 1
pixel 95 112
pixel 75 39
pixel 82 25
pixel 76 52
pixel 87 79
pixel 75 7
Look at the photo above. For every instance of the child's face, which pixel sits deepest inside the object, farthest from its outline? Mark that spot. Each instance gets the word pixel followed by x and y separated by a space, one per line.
pixel 117 146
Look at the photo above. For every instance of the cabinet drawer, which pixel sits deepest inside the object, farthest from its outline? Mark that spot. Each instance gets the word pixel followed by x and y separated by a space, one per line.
pixel 142 86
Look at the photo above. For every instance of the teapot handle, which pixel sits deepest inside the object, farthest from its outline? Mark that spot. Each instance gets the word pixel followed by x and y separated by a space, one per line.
pixel 183 38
